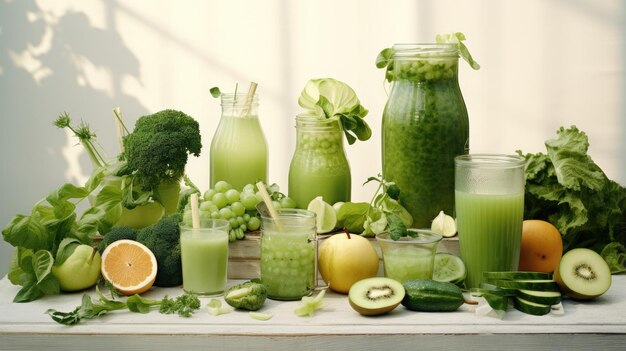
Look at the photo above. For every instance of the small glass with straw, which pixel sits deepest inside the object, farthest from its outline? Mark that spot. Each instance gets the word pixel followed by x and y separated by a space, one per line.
pixel 288 251
pixel 204 254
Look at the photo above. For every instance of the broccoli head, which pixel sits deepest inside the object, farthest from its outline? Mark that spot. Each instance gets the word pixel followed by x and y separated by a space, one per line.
pixel 159 145
pixel 115 234
pixel 162 238
pixel 247 296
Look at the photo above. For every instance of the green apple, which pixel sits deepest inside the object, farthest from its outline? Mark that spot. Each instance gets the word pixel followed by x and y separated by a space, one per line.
pixel 345 259
pixel 79 271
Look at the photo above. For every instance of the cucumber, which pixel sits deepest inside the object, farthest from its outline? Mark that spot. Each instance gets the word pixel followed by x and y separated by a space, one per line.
pixel 540 285
pixel 517 275
pixel 431 296
pixel 529 307
pixel 541 297
pixel 449 268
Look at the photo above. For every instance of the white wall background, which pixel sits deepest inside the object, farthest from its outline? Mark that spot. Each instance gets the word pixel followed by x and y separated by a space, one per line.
pixel 545 64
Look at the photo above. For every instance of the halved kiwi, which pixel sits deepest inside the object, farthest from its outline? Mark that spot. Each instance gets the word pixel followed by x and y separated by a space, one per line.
pixel 374 296
pixel 583 274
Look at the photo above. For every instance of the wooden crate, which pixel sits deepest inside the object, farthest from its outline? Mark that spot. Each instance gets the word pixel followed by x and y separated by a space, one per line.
pixel 243 257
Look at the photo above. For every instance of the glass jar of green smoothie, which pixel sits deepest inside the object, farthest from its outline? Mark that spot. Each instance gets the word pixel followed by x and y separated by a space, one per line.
pixel 425 125
pixel 288 254
pixel 238 149
pixel 319 166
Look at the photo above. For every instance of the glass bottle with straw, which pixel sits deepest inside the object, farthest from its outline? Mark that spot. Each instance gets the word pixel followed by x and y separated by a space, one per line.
pixel 239 153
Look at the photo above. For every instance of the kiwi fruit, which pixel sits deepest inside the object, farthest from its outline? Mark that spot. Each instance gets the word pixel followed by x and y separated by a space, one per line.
pixel 582 274
pixel 374 296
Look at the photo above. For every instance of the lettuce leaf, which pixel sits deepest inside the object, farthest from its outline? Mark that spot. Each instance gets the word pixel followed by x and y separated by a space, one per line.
pixel 566 188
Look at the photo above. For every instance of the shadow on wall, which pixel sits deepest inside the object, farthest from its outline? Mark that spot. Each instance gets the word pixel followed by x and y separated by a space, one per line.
pixel 46 61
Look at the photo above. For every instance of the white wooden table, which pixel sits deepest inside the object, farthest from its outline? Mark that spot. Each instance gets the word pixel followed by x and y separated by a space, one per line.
pixel 596 325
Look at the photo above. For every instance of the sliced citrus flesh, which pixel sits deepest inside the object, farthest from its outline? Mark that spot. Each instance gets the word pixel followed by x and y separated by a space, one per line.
pixel 325 215
pixel 130 266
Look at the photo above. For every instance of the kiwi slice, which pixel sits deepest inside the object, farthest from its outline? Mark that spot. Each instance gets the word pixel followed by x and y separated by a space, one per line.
pixel 583 274
pixel 374 296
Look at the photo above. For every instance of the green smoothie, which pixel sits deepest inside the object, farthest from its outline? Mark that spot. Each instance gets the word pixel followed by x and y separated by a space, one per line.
pixel 204 256
pixel 409 257
pixel 425 125
pixel 319 166
pixel 288 254
pixel 238 152
pixel 490 231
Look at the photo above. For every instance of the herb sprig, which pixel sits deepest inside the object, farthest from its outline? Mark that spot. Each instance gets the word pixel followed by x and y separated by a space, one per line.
pixel 184 305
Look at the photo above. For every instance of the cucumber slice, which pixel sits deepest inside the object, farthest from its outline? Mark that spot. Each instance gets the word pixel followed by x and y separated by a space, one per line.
pixel 517 275
pixel 495 290
pixel 449 268
pixel 541 297
pixel 533 308
pixel 539 285
pixel 497 302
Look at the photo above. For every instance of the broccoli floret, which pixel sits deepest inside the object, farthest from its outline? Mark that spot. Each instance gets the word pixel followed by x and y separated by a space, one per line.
pixel 115 234
pixel 247 296
pixel 159 145
pixel 162 238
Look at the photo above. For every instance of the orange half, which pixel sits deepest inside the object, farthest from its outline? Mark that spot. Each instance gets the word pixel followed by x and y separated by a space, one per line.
pixel 130 266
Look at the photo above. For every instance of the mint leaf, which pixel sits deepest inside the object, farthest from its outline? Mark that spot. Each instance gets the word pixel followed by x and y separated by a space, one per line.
pixel 396 227
pixel 215 92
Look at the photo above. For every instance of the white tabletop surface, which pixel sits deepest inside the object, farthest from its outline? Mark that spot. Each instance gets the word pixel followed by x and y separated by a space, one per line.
pixel 598 324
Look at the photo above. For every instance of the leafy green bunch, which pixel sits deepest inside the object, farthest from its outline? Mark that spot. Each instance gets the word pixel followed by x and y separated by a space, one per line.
pixel 382 213
pixel 566 188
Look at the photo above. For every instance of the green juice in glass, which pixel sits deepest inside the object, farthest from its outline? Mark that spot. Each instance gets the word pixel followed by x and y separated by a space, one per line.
pixel 204 256
pixel 490 232
pixel 319 166
pixel 288 254
pixel 238 152
pixel 409 257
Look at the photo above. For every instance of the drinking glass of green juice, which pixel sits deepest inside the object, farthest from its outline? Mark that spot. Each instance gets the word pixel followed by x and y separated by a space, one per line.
pixel 204 256
pixel 288 254
pixel 410 257
pixel 489 198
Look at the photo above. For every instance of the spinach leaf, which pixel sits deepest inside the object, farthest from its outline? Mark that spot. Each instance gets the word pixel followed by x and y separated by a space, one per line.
pixel 352 216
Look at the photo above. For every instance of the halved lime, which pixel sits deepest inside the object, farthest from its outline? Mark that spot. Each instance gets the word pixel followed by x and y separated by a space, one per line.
pixel 326 218
pixel 449 268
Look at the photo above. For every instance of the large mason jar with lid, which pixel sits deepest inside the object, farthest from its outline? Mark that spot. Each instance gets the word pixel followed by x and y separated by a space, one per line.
pixel 425 125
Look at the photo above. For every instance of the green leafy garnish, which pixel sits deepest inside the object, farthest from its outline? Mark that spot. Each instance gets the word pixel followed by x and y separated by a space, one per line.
pixel 382 213
pixel 215 92
pixel 384 59
pixel 329 98
pixel 566 188
pixel 184 305
pixel 458 38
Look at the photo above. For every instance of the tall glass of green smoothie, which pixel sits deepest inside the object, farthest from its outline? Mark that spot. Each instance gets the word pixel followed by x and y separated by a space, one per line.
pixel 490 209
pixel 288 254
pixel 204 256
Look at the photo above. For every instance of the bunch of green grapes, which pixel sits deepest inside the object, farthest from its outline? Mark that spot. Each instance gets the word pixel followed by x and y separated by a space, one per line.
pixel 237 207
